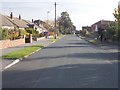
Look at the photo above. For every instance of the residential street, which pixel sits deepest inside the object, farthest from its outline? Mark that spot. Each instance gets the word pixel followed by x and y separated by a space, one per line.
pixel 68 63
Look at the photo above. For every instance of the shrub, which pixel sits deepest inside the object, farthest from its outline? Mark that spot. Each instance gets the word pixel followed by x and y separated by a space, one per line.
pixel 10 34
pixel 5 34
pixel 32 31
pixel 84 32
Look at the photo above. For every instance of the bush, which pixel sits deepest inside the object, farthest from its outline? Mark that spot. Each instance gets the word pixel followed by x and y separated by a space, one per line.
pixel 32 31
pixel 110 34
pixel 5 34
pixel 84 32
pixel 10 34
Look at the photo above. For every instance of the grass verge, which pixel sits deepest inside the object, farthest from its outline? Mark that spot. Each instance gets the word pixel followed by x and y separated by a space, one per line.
pixel 83 37
pixel 23 52
pixel 58 37
pixel 93 41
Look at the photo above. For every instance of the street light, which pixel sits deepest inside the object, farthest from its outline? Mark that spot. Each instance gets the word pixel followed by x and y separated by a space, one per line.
pixel 47 14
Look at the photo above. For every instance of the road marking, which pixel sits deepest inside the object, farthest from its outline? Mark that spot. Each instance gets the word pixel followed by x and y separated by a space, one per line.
pixel 13 63
pixel 18 60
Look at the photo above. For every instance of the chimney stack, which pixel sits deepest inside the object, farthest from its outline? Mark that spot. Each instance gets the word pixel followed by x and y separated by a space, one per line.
pixel 19 17
pixel 11 15
pixel 32 21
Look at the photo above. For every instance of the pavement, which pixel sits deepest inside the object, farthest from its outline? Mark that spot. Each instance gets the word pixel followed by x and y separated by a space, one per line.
pixel 70 62
pixel 5 62
pixel 103 45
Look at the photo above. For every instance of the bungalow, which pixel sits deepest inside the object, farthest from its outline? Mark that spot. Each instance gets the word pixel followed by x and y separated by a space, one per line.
pixel 6 23
pixel 18 22
pixel 11 22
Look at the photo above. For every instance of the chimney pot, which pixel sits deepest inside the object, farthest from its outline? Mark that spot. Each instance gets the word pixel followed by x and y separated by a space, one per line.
pixel 11 15
pixel 19 17
pixel 32 21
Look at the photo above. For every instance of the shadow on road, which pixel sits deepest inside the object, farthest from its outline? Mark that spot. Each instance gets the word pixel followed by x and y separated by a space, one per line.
pixel 99 56
pixel 64 76
pixel 59 47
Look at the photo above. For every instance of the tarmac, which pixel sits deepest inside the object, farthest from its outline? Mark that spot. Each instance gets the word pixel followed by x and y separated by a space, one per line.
pixel 4 63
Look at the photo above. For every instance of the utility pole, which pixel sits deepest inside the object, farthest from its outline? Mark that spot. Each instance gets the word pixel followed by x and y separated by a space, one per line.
pixel 55 21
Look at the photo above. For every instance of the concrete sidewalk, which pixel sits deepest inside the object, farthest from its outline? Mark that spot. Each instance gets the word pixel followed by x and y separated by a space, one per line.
pixel 5 62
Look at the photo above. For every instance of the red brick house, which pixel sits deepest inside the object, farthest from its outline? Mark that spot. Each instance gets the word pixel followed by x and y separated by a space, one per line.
pixel 102 24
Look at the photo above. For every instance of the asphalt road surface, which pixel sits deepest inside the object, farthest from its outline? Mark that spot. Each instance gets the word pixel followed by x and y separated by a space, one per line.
pixel 69 63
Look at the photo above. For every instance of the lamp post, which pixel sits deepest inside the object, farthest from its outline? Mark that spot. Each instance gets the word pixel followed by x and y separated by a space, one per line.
pixel 47 25
pixel 47 14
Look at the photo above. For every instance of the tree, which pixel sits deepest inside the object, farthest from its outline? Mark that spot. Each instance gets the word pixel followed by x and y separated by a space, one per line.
pixel 32 31
pixel 117 17
pixel 65 23
pixel 49 25
pixel 111 32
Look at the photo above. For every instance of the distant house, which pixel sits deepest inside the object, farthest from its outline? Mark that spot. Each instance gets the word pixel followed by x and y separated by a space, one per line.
pixel 40 23
pixel 73 29
pixel 37 28
pixel 88 28
pixel 102 24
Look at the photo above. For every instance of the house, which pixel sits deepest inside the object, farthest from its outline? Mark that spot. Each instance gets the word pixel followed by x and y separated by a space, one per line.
pixel 88 28
pixel 5 22
pixel 37 28
pixel 18 22
pixel 32 25
pixel 73 29
pixel 102 24
pixel 41 24
pixel 11 22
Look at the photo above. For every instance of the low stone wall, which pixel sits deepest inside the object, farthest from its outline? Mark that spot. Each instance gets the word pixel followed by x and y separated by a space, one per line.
pixel 40 38
pixel 11 43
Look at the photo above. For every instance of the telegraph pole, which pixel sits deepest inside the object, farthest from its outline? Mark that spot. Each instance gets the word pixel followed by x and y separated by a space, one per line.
pixel 55 21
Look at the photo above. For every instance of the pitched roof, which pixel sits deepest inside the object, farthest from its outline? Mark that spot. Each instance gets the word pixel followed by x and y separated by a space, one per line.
pixel 28 22
pixel 103 22
pixel 14 22
pixel 19 23
pixel 5 21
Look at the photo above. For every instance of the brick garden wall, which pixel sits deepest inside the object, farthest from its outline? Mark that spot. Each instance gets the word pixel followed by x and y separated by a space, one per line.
pixel 11 43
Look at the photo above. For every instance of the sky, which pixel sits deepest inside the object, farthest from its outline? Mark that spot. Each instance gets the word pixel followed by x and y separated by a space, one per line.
pixel 82 12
